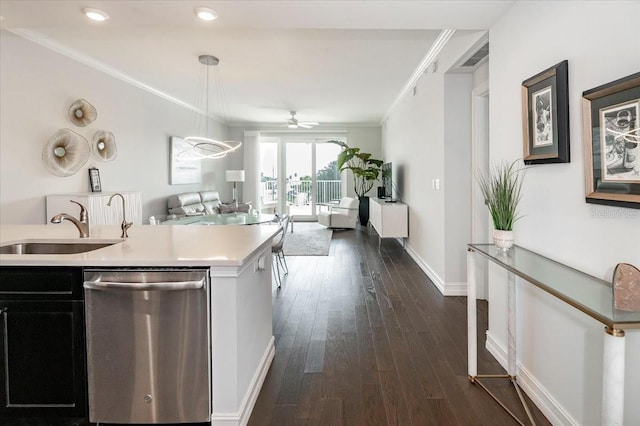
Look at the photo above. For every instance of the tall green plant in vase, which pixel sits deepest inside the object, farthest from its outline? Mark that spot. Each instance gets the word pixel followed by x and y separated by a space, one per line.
pixel 502 190
pixel 365 173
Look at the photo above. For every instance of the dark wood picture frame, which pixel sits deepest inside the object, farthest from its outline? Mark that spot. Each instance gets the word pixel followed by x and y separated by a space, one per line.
pixel 545 116
pixel 611 126
pixel 94 180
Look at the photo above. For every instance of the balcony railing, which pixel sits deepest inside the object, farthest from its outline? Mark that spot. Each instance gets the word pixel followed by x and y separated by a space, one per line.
pixel 299 191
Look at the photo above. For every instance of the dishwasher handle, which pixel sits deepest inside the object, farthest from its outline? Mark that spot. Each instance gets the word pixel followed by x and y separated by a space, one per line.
pixel 161 286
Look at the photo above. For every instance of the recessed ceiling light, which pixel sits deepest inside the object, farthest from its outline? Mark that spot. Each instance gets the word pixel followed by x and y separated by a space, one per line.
pixel 95 14
pixel 206 14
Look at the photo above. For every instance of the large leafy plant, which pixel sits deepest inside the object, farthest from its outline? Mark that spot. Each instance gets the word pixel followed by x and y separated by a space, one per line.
pixel 364 168
pixel 502 191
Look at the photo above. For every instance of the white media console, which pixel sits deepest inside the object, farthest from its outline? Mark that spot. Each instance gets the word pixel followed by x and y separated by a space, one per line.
pixel 390 220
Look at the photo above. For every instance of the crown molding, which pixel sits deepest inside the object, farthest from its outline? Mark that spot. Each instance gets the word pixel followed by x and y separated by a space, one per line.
pixel 428 59
pixel 77 56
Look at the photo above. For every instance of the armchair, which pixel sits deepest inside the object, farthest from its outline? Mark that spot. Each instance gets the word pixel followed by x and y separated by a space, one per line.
pixel 342 215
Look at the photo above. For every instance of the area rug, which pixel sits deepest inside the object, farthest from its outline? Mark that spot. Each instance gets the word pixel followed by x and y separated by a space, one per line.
pixel 307 239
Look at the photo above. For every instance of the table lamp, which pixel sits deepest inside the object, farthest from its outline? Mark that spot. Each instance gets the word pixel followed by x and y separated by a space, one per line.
pixel 235 176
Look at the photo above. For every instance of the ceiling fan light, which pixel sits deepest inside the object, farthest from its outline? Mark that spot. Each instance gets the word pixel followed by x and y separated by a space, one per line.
pixel 206 14
pixel 95 14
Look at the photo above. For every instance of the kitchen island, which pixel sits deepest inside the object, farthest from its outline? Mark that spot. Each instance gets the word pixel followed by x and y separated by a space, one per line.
pixel 238 259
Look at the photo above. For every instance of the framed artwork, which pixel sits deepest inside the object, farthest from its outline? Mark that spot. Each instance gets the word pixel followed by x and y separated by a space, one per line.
pixel 94 180
pixel 186 167
pixel 545 116
pixel 611 132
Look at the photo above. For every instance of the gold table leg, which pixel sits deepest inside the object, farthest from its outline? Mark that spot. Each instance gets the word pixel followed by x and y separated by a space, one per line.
pixel 514 382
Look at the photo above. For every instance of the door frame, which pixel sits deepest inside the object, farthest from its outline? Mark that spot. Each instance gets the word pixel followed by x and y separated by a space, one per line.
pixel 480 224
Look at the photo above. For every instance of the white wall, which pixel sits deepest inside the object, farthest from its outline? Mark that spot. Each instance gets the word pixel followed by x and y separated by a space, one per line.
pixel 560 349
pixel 427 137
pixel 563 350
pixel 457 176
pixel 38 86
pixel 368 139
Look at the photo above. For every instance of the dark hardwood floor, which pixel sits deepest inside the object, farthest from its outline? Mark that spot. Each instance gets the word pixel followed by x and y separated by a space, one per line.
pixel 364 338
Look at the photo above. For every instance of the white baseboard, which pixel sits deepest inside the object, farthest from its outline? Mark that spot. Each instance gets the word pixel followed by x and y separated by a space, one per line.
pixel 447 289
pixel 554 412
pixel 241 418
pixel 455 289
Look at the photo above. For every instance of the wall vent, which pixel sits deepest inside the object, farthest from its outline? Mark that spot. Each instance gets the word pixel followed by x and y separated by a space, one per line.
pixel 478 56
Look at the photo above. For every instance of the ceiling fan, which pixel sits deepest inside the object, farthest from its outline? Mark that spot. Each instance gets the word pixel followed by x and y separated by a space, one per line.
pixel 293 122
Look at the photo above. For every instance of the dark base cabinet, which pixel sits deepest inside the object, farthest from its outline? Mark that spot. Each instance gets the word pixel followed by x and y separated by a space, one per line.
pixel 42 349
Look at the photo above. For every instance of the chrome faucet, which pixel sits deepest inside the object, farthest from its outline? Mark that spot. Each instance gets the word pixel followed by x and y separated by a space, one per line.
pixel 124 225
pixel 82 224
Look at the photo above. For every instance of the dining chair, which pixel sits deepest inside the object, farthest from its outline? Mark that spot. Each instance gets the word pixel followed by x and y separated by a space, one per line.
pixel 277 249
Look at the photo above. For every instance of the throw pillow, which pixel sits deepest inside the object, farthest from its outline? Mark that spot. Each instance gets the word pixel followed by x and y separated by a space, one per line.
pixel 231 208
pixel 227 208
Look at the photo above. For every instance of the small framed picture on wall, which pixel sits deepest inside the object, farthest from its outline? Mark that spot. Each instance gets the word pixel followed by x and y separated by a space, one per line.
pixel 611 132
pixel 545 116
pixel 94 180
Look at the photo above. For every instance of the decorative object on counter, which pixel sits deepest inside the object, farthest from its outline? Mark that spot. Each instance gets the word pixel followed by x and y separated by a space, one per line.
pixel 65 152
pixel 124 226
pixel 202 145
pixel 104 146
pixel 545 116
pixel 94 180
pixel 186 167
pixel 82 113
pixel 611 133
pixel 626 288
pixel 365 173
pixel 234 176
pixel 502 192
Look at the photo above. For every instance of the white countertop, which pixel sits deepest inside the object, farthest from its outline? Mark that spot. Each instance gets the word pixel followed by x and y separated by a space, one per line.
pixel 147 245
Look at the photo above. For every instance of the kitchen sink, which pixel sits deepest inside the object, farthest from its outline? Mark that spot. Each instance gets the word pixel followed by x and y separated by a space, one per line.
pixel 55 247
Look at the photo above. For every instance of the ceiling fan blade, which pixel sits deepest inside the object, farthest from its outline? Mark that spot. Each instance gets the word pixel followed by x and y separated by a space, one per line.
pixel 310 123
pixel 304 125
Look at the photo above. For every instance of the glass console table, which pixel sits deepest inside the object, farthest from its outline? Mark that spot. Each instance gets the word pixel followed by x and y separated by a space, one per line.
pixel 222 219
pixel 590 295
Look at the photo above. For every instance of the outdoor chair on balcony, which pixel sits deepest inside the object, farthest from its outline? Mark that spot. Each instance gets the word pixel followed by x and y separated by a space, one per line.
pixel 277 250
pixel 342 215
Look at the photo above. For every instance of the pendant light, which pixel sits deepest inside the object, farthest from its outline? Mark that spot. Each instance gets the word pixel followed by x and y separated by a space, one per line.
pixel 204 146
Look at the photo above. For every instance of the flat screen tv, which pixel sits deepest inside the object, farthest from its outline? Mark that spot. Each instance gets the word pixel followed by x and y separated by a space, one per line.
pixel 386 180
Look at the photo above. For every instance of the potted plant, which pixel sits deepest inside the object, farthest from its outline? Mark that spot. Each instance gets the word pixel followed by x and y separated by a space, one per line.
pixel 502 191
pixel 365 173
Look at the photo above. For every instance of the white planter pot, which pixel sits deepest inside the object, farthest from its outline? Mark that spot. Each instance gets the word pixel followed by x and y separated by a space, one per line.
pixel 503 239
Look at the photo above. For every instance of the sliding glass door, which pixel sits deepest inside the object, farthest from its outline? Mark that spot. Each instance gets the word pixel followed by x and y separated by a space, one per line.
pixel 297 175
pixel 299 159
pixel 328 180
pixel 269 172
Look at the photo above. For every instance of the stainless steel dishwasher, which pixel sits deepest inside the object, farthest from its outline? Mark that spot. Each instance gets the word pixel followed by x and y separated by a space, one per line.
pixel 148 352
